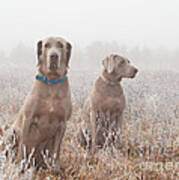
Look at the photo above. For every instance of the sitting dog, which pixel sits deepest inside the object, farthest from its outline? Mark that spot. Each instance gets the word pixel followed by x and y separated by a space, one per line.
pixel 102 111
pixel 41 122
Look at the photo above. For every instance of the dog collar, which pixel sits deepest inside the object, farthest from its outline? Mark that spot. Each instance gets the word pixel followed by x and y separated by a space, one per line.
pixel 50 81
pixel 108 81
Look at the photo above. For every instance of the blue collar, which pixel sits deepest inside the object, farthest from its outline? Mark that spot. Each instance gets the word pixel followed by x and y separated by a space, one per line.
pixel 50 81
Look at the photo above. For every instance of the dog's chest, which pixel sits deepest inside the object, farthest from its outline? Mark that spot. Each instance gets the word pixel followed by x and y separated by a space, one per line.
pixel 53 109
pixel 54 105
pixel 110 99
pixel 113 104
pixel 49 116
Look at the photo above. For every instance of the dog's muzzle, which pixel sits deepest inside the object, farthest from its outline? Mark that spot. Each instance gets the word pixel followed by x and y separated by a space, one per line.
pixel 54 61
pixel 134 73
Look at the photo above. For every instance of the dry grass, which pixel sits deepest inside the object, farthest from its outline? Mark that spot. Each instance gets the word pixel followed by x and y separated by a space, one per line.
pixel 150 140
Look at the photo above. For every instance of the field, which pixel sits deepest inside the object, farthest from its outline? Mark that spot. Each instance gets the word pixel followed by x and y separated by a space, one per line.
pixel 150 139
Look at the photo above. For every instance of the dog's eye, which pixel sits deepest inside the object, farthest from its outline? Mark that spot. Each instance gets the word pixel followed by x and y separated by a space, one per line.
pixel 115 56
pixel 59 44
pixel 47 45
pixel 122 62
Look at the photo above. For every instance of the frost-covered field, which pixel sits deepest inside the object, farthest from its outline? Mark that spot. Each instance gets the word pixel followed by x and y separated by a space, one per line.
pixel 150 140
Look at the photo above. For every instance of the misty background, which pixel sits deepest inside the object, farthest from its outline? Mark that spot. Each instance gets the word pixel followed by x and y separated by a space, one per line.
pixel 144 31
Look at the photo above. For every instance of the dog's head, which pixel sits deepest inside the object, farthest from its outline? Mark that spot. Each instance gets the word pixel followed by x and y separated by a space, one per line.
pixel 119 66
pixel 53 55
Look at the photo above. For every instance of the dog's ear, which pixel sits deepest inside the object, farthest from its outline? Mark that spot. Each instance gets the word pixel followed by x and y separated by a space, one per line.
pixel 109 64
pixel 68 53
pixel 39 52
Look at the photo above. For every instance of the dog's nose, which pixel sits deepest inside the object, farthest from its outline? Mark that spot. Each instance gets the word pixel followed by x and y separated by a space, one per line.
pixel 54 57
pixel 135 70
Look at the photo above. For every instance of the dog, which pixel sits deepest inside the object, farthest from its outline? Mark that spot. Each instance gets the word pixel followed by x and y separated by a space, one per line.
pixel 102 110
pixel 41 122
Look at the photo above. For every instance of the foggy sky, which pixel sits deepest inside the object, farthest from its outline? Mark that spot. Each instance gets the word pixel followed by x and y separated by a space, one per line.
pixel 150 23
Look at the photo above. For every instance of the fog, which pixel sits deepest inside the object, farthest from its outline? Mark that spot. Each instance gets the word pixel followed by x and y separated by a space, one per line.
pixel 144 31
pixel 90 58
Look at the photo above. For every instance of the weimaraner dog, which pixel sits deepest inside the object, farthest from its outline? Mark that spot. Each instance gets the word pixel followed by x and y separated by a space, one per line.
pixel 41 122
pixel 102 111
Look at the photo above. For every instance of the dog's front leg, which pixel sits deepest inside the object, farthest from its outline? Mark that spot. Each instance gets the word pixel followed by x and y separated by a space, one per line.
pixel 23 136
pixel 118 130
pixel 57 144
pixel 93 130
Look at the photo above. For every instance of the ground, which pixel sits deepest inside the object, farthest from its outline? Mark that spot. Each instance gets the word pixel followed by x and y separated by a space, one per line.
pixel 150 140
